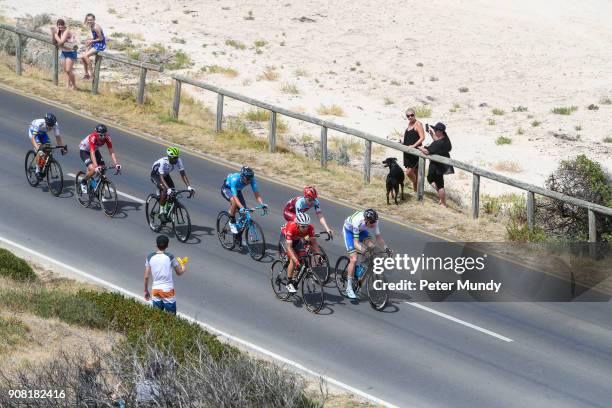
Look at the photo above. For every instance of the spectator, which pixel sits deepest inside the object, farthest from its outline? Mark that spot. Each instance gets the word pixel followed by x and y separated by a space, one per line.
pixel 96 44
pixel 413 137
pixel 66 41
pixel 440 146
pixel 160 264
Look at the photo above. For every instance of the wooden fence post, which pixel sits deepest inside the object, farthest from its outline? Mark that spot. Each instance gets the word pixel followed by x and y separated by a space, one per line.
pixel 176 104
pixel 530 210
pixel 141 86
pixel 272 135
pixel 421 179
pixel 323 146
pixel 18 48
pixel 55 65
pixel 96 77
pixel 219 112
pixel 592 226
pixel 475 195
pixel 367 161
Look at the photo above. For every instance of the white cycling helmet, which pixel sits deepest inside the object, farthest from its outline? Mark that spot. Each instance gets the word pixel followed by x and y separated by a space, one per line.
pixel 302 218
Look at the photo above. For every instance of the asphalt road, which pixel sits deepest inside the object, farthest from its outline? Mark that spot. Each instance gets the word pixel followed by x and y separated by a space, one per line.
pixel 437 354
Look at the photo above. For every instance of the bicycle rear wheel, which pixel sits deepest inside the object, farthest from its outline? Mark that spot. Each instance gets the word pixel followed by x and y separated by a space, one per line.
pixel 378 294
pixel 152 213
pixel 83 198
pixel 225 235
pixel 55 177
pixel 282 254
pixel 108 198
pixel 278 279
pixel 312 293
pixel 181 223
pixel 255 241
pixel 322 271
pixel 30 168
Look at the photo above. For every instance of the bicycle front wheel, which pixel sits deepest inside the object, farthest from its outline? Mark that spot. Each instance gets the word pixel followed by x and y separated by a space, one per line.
pixel 255 241
pixel 323 270
pixel 278 279
pixel 224 233
pixel 83 198
pixel 108 198
pixel 152 213
pixel 55 178
pixel 312 293
pixel 378 294
pixel 30 168
pixel 181 223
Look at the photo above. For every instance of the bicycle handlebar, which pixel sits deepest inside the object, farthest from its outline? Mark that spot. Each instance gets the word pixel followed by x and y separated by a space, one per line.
pixel 179 192
pixel 258 207
pixel 329 236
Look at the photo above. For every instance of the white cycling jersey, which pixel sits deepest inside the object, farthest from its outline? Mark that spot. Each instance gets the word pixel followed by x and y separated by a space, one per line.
pixel 40 126
pixel 356 224
pixel 163 166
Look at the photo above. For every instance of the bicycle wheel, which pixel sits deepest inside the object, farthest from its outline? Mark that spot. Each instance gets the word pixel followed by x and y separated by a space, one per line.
pixel 255 241
pixel 108 197
pixel 281 247
pixel 278 279
pixel 226 238
pixel 312 292
pixel 341 273
pixel 30 168
pixel 152 213
pixel 181 223
pixel 83 198
pixel 322 271
pixel 376 288
pixel 55 178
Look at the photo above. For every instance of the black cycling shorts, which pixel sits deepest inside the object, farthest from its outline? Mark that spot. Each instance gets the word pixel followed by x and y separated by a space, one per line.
pixel 156 179
pixel 86 157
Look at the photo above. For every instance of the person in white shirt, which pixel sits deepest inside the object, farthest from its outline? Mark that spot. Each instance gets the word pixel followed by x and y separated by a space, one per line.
pixel 159 266
pixel 160 176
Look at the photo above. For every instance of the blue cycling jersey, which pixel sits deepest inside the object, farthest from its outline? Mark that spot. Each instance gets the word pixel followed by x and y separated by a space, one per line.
pixel 234 183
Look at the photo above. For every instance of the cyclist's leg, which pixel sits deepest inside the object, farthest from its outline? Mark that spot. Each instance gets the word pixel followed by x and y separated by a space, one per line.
pixel 40 139
pixel 163 192
pixel 351 252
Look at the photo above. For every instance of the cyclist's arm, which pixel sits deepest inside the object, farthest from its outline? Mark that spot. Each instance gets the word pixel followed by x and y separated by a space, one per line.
pixel 258 197
pixel 113 156
pixel 314 244
pixel 323 222
pixel 58 139
pixel 381 241
pixel 184 177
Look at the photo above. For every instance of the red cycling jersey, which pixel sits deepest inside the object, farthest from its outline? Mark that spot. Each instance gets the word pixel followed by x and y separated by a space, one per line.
pixel 292 231
pixel 93 141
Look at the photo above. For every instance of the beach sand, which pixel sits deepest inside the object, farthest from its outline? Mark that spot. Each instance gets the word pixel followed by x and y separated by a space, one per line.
pixel 375 59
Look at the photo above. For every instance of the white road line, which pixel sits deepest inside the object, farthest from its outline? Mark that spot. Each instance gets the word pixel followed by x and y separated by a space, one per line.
pixel 454 319
pixel 126 195
pixel 221 333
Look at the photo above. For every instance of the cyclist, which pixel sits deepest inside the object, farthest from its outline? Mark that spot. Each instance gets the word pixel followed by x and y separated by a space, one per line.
pixel 231 190
pixel 160 176
pixel 90 155
pixel 355 234
pixel 37 133
pixel 295 232
pixel 304 203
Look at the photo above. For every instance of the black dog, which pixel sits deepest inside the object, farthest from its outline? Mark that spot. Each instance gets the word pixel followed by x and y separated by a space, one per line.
pixel 395 179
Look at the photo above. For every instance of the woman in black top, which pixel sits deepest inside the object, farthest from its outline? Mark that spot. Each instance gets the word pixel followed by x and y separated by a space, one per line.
pixel 442 147
pixel 413 137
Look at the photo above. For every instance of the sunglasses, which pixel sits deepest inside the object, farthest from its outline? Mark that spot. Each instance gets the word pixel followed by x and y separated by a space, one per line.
pixel 411 115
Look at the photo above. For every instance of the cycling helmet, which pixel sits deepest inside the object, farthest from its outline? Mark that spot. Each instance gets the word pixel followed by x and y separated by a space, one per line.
pixel 173 151
pixel 310 192
pixel 101 129
pixel 302 218
pixel 247 172
pixel 50 119
pixel 370 215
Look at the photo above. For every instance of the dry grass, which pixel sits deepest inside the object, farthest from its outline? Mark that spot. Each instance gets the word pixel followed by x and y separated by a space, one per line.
pixel 218 69
pixel 508 166
pixel 270 74
pixel 332 110
pixel 291 89
pixel 197 131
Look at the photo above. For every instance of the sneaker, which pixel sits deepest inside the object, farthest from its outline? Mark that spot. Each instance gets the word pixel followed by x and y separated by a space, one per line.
pixel 291 287
pixel 83 188
pixel 233 228
pixel 350 294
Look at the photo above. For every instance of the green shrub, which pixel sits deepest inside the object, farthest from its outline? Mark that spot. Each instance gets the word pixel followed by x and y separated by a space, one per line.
pixel 519 109
pixel 564 110
pixel 464 89
pixel 14 267
pixel 517 228
pixel 607 139
pixel 257 115
pixel 605 101
pixel 491 206
pixel 503 140
pixel 536 123
pixel 422 111
pixel 593 107
pixel 498 112
pixel 520 131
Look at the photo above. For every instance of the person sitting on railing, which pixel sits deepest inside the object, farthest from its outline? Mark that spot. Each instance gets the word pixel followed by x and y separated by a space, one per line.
pixel 442 147
pixel 64 38
pixel 96 44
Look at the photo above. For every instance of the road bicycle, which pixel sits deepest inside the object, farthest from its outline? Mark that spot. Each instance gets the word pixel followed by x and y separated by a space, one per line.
pixel 177 214
pixel 49 169
pixel 364 275
pixel 311 286
pixel 323 269
pixel 99 187
pixel 254 239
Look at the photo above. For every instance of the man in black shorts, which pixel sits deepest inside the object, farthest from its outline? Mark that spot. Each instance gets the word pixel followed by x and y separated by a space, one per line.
pixel 442 147
pixel 160 176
